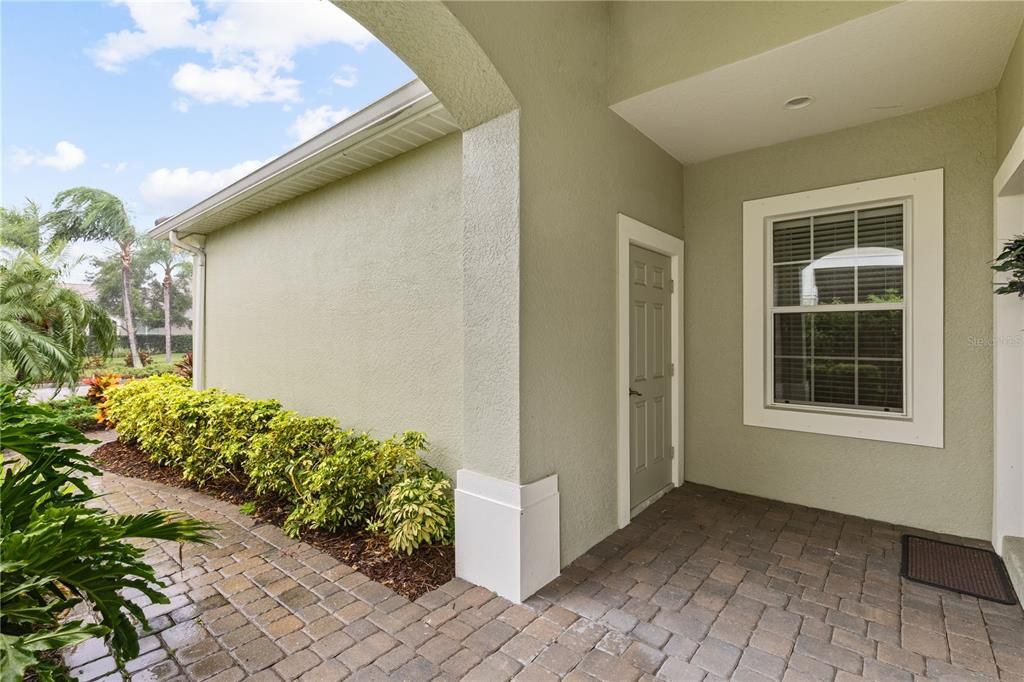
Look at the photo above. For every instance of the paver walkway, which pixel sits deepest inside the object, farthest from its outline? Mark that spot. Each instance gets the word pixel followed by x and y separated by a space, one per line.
pixel 705 585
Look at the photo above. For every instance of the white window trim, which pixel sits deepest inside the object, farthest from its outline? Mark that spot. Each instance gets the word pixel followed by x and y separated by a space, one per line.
pixel 923 235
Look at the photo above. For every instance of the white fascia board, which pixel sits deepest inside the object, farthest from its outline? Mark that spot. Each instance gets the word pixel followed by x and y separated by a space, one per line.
pixel 410 98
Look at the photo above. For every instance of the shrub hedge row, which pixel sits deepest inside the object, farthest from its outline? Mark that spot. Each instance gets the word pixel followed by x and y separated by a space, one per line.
pixel 330 477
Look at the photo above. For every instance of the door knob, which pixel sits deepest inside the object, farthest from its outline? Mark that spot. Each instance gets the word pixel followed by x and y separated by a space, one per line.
pixel 636 393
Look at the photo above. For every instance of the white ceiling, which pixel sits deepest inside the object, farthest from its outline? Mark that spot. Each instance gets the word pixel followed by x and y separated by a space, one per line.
pixel 908 57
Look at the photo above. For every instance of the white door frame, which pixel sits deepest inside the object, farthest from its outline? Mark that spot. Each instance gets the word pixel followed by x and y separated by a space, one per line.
pixel 632 231
pixel 1008 361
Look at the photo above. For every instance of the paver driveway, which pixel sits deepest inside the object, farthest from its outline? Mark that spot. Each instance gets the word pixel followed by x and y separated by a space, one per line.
pixel 703 585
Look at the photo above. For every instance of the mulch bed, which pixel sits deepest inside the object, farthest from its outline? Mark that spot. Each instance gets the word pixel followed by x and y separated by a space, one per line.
pixel 409 575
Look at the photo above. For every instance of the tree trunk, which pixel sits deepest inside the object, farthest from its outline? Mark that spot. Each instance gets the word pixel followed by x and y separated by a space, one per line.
pixel 126 289
pixel 168 283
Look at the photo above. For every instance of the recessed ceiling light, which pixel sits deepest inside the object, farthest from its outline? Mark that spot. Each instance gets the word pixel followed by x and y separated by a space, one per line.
pixel 799 102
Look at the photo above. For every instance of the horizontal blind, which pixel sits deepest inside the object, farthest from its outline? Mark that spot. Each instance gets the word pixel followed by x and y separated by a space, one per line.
pixel 852 357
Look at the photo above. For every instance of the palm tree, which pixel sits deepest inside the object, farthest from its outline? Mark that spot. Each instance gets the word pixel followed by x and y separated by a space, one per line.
pixel 106 280
pixel 88 214
pixel 168 260
pixel 44 327
pixel 21 230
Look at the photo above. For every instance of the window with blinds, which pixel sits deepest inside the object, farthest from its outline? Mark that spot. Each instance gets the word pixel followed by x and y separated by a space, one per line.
pixel 837 313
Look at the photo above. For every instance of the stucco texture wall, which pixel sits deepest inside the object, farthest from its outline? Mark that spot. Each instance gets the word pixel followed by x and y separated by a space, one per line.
pixel 948 489
pixel 347 302
pixel 1010 98
pixel 580 165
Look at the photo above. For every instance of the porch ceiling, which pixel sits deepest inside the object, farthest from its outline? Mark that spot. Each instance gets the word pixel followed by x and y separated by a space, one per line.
pixel 908 57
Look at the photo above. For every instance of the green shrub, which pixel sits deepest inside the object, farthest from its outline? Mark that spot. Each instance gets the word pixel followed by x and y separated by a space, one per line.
pixel 290 444
pixel 418 509
pixel 332 478
pixel 204 434
pixel 143 410
pixel 58 552
pixel 344 488
pixel 328 477
pixel 218 429
pixel 75 411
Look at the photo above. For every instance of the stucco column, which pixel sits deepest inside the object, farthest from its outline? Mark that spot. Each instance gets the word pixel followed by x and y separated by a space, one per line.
pixel 490 211
pixel 506 533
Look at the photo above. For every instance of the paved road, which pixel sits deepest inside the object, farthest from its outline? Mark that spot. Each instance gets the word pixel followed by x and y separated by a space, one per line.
pixel 42 394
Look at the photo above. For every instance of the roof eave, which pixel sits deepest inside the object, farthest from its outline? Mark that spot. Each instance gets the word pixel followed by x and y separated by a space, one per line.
pixel 365 123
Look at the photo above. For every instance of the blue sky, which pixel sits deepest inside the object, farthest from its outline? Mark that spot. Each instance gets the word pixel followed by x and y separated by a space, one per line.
pixel 163 103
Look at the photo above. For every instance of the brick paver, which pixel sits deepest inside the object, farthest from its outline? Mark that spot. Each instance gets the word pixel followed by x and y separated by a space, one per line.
pixel 704 585
pixel 732 586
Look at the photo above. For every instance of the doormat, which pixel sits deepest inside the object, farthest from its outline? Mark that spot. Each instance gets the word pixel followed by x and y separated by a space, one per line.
pixel 967 570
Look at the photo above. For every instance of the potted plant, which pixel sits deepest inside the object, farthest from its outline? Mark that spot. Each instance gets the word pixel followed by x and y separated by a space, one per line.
pixel 1011 260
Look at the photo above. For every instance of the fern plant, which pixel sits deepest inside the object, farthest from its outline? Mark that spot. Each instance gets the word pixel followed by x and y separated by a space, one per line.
pixel 57 552
pixel 1011 260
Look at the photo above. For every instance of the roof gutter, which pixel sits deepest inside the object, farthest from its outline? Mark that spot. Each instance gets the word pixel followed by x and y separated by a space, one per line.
pixel 198 307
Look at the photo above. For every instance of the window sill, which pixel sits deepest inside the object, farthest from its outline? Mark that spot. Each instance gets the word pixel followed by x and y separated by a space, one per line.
pixel 845 412
pixel 880 427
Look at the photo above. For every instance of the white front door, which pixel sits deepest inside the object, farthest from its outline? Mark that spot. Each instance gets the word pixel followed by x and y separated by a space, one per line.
pixel 650 374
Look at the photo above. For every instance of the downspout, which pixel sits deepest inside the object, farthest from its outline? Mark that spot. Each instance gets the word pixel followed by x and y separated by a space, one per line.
pixel 198 308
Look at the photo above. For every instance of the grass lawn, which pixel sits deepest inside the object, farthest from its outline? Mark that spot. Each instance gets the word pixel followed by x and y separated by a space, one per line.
pixel 115 364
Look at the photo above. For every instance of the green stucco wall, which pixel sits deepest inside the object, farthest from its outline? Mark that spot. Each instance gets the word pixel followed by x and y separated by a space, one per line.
pixel 347 301
pixel 948 489
pixel 580 165
pixel 1010 97
pixel 657 43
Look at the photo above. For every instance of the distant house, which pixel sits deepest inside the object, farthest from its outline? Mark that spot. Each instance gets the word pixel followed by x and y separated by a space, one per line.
pixel 83 289
pixel 493 254
pixel 88 292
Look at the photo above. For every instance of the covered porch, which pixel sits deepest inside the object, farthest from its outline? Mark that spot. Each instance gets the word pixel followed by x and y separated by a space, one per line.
pixel 712 584
pixel 703 585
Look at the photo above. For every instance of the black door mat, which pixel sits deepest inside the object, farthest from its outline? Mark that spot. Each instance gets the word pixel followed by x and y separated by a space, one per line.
pixel 967 570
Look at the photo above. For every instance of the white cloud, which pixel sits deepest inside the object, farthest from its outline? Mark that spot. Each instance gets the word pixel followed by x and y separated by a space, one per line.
pixel 260 38
pixel 313 121
pixel 65 157
pixel 347 77
pixel 235 84
pixel 174 189
pixel 181 104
